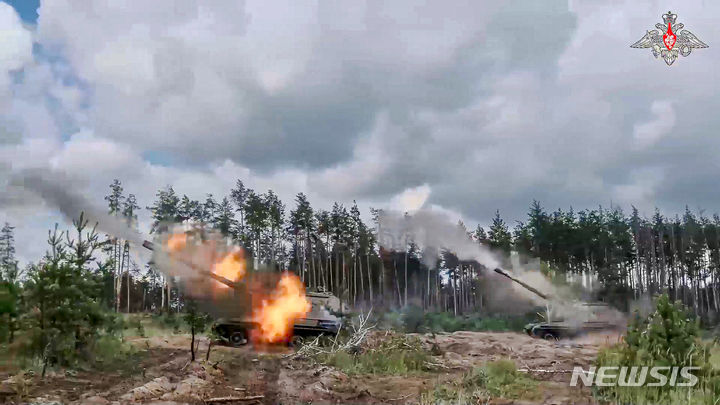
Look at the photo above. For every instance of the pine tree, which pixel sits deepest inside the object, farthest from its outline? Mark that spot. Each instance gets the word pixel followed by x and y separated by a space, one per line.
pixel 256 220
pixel 129 210
pixel 301 227
pixel 8 263
pixel 209 210
pixel 9 284
pixel 63 294
pixel 239 196
pixel 224 220
pixel 197 321
pixel 115 198
pixel 481 236
pixel 165 210
pixel 499 235
pixel 275 223
pixel 189 210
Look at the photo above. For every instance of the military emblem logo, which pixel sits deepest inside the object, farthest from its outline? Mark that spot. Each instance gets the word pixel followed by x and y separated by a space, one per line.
pixel 674 41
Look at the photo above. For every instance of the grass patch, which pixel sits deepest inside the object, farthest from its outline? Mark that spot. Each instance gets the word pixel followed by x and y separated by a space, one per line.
pixel 398 355
pixel 497 379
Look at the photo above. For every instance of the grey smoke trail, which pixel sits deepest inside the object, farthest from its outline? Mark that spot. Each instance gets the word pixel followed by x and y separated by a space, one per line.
pixel 435 231
pixel 432 231
pixel 57 191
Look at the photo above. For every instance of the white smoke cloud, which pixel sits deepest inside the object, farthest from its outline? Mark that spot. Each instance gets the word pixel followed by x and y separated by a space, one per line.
pixel 431 230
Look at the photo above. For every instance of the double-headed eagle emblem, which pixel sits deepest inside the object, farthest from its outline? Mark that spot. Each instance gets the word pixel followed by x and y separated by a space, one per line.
pixel 675 40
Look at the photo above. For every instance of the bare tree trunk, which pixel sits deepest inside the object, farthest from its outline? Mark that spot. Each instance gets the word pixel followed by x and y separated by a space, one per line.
pixel 369 274
pixel 118 274
pixel 362 278
pixel 313 270
pixel 663 262
pixel 406 274
pixel 427 304
pixel 354 277
pixel 453 283
pixel 192 344
pixel 707 295
pixel 397 282
pixel 128 290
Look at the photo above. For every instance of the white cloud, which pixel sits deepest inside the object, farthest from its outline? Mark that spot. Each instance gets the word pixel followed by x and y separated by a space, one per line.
pixel 467 107
pixel 16 49
pixel 648 133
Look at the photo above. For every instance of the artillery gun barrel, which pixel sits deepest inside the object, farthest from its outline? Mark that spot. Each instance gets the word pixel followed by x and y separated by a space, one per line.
pixel 532 289
pixel 151 246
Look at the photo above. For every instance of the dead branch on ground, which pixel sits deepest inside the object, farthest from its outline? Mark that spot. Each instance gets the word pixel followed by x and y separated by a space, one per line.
pixel 314 348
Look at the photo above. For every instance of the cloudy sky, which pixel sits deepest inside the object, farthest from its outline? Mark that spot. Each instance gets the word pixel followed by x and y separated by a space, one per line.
pixel 469 106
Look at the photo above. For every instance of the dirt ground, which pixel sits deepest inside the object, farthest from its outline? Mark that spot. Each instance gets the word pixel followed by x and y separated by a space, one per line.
pixel 164 375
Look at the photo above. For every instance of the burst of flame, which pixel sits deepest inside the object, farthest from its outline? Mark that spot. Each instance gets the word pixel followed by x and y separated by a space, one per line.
pixel 277 315
pixel 176 242
pixel 231 266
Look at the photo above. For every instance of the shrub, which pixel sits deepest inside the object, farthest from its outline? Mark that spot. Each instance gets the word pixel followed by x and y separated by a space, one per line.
pixel 667 337
pixel 110 352
pixel 413 319
pixel 172 321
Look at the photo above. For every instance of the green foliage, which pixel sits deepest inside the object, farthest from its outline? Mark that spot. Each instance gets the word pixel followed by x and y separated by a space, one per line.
pixel 170 321
pixel 668 337
pixel 413 319
pixel 398 355
pixel 497 379
pixel 62 294
pixel 196 320
pixel 111 353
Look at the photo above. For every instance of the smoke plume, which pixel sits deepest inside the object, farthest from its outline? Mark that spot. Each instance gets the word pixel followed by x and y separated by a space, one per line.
pixel 432 231
pixel 56 190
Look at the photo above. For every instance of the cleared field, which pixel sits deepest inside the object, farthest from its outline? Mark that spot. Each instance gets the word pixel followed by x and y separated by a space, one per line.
pixel 444 368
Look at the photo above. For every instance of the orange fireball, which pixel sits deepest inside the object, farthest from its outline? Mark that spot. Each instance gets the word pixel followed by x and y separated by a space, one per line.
pixel 176 242
pixel 231 266
pixel 277 315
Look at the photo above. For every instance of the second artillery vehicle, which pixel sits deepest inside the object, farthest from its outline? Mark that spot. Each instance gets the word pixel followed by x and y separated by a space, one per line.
pixel 236 330
pixel 567 320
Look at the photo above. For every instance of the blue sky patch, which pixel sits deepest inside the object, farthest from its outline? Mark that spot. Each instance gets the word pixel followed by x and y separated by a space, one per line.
pixel 27 9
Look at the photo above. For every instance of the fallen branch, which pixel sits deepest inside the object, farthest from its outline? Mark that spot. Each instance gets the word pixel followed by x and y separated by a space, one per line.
pixel 538 370
pixel 313 348
pixel 221 400
pixel 401 398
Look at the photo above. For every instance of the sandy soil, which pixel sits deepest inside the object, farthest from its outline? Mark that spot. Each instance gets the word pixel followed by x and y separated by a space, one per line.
pixel 164 373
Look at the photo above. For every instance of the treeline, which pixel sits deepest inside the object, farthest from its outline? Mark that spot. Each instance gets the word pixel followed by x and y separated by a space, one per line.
pixel 619 256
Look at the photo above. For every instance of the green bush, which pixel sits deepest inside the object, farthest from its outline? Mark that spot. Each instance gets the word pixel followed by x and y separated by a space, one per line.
pixel 497 379
pixel 172 321
pixel 413 318
pixel 110 352
pixel 668 337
